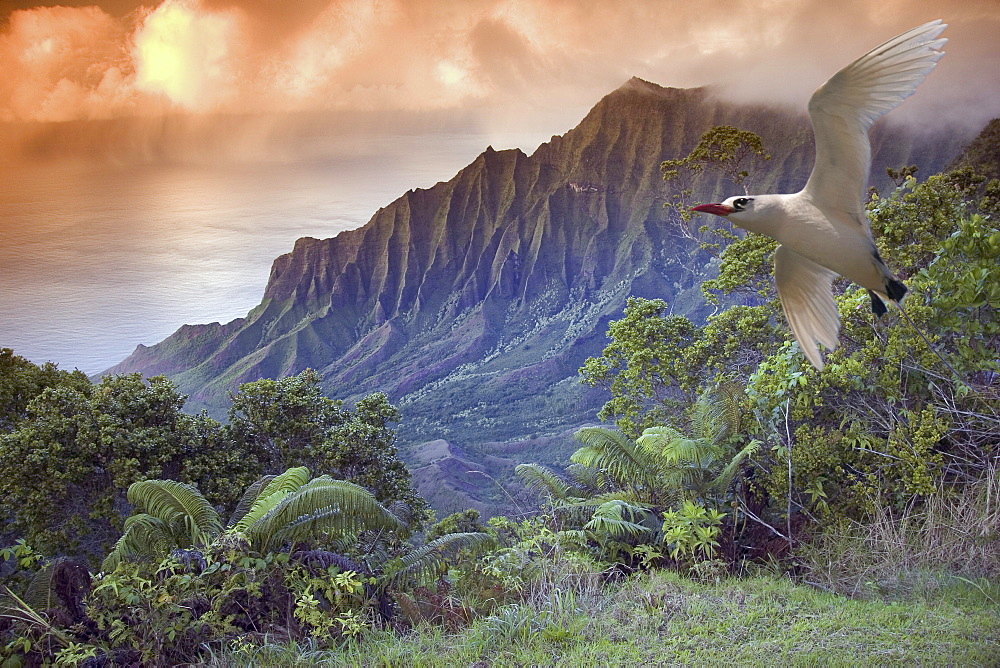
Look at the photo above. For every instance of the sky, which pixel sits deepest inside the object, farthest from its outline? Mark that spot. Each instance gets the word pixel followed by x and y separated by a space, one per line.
pixel 521 69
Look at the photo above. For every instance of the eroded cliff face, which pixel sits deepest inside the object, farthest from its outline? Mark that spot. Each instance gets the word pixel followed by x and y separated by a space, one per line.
pixel 473 303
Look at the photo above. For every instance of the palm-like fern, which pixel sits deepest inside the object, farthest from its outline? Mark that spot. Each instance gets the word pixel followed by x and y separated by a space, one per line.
pixel 697 467
pixel 702 467
pixel 573 505
pixel 538 478
pixel 275 511
pixel 172 515
pixel 661 469
pixel 621 461
pixel 427 562
pixel 283 514
pixel 619 519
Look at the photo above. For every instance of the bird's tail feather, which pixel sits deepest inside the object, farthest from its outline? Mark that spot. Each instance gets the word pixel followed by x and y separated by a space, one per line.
pixel 878 306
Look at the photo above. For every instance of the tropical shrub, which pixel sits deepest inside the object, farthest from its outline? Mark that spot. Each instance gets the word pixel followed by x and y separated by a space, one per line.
pixel 178 581
pixel 619 489
pixel 75 447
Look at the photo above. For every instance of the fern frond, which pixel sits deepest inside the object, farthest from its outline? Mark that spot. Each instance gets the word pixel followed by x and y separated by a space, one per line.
pixel 62 582
pixel 676 451
pixel 624 495
pixel 618 519
pixel 404 512
pixel 589 481
pixel 426 563
pixel 261 508
pixel 145 537
pixel 574 513
pixel 322 504
pixel 538 478
pixel 180 506
pixel 717 415
pixel 40 594
pixel 725 478
pixel 271 496
pixel 611 451
pixel 247 500
pixel 289 481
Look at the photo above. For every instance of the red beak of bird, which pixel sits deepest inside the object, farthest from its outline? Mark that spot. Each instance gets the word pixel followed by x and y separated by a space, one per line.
pixel 717 209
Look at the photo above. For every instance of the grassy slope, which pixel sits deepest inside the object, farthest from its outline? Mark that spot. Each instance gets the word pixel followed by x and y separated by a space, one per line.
pixel 667 619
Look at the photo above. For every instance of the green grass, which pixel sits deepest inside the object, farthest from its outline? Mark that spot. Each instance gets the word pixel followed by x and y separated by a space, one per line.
pixel 663 618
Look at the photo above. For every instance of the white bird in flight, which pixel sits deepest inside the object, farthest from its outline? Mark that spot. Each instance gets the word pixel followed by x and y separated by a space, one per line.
pixel 822 229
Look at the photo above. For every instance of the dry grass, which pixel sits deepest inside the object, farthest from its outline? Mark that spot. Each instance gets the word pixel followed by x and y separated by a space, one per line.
pixel 954 533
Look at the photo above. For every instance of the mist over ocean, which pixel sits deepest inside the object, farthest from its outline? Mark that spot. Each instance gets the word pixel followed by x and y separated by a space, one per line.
pixel 97 257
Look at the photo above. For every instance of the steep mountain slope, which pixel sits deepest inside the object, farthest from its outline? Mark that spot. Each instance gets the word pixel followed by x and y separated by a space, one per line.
pixel 982 153
pixel 473 303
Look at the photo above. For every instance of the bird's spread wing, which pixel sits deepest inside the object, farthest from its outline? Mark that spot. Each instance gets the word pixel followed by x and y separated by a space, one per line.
pixel 805 289
pixel 846 106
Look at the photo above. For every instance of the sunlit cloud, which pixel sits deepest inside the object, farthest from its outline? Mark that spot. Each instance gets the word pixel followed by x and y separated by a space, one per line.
pixel 518 60
pixel 187 54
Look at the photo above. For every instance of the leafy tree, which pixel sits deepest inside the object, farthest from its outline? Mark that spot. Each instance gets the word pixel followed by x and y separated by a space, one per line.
pixel 277 421
pixel 288 422
pixel 361 448
pixel 723 149
pixel 655 363
pixel 65 468
pixel 21 381
pixel 643 366
pixel 68 463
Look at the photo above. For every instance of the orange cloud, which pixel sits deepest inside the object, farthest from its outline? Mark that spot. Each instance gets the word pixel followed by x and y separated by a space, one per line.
pixel 532 58
pixel 62 63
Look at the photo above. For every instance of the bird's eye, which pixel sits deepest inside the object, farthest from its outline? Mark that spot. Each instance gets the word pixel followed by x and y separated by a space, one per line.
pixel 741 203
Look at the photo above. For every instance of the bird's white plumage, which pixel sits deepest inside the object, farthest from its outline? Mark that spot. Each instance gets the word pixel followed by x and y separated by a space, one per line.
pixel 846 106
pixel 823 229
pixel 805 290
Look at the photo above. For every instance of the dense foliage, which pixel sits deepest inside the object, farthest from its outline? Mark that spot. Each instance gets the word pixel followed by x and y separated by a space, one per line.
pixel 74 448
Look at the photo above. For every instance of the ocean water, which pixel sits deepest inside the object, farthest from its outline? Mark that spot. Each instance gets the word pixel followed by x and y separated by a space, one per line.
pixel 96 258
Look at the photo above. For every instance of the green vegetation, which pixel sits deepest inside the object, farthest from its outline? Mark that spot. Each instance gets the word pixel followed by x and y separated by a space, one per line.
pixel 664 619
pixel 746 506
pixel 74 448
